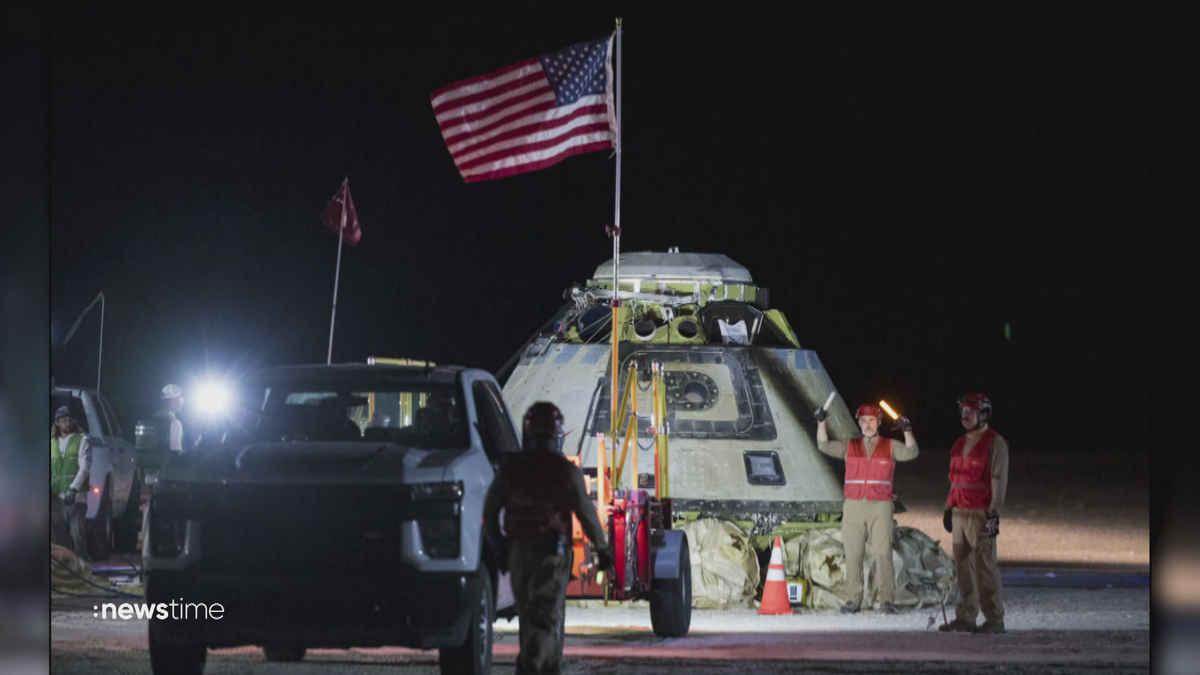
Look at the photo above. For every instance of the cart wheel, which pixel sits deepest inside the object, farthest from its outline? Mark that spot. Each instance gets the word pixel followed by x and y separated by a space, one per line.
pixel 671 600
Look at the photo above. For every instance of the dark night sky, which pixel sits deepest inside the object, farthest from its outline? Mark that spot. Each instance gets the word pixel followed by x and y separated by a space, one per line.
pixel 906 178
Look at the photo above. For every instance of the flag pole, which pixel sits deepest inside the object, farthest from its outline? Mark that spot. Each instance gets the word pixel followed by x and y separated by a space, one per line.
pixel 338 273
pixel 616 232
pixel 100 357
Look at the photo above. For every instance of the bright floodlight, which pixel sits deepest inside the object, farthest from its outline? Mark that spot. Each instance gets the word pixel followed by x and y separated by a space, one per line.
pixel 212 399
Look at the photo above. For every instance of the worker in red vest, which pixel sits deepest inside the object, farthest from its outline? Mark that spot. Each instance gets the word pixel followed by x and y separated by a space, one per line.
pixel 867 511
pixel 978 481
pixel 539 490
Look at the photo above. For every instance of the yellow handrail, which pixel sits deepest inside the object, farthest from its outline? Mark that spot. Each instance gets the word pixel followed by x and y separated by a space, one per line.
pixel 633 425
pixel 625 434
pixel 629 428
pixel 662 478
pixel 602 486
pixel 625 396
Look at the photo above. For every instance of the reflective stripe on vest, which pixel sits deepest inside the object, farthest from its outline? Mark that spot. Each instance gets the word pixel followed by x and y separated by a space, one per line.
pixel 869 478
pixel 64 464
pixel 971 476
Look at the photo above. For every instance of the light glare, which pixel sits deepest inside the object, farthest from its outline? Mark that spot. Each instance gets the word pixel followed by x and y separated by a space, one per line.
pixel 212 399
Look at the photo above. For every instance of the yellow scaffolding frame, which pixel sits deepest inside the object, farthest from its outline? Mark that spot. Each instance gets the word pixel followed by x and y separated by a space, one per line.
pixel 624 433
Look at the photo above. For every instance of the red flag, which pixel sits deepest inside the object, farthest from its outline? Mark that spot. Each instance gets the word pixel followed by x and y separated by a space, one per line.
pixel 341 210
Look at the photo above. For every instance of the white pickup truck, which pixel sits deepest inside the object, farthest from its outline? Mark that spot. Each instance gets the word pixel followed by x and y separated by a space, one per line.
pixel 113 516
pixel 341 507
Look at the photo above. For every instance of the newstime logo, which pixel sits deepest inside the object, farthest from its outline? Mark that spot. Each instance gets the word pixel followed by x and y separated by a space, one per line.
pixel 176 610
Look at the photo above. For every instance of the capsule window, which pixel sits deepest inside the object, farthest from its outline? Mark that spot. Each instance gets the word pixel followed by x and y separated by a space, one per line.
pixel 764 468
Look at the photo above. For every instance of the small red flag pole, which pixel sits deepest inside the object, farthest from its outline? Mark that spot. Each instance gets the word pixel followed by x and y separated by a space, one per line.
pixel 338 273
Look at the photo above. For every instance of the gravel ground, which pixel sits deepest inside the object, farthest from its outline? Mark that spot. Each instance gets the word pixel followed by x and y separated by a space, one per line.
pixel 1051 630
pixel 318 665
pixel 1059 514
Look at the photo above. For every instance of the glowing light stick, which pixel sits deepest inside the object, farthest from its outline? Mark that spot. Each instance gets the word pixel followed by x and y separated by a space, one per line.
pixel 889 410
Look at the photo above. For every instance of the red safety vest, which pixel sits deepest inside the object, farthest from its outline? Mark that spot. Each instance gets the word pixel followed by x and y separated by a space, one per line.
pixel 971 476
pixel 869 477
pixel 536 496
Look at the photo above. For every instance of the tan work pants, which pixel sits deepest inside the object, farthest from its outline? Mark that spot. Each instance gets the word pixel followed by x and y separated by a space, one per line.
pixel 976 567
pixel 868 522
pixel 539 584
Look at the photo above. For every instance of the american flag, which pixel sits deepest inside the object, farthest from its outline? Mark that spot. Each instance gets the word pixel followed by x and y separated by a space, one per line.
pixel 530 115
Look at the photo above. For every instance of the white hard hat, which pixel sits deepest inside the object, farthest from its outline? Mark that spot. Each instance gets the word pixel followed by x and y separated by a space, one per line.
pixel 172 391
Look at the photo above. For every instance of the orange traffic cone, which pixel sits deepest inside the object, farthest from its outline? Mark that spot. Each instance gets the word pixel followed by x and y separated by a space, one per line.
pixel 775 595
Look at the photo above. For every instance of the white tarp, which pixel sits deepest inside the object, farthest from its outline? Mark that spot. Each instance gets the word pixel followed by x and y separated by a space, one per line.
pixel 924 572
pixel 724 563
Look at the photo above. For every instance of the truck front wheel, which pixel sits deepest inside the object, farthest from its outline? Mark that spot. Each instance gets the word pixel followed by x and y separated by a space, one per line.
pixel 474 656
pixel 173 657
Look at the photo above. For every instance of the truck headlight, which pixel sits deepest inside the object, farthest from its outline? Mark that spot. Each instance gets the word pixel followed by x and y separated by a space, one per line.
pixel 427 492
pixel 170 507
pixel 437 509
pixel 167 536
pixel 440 537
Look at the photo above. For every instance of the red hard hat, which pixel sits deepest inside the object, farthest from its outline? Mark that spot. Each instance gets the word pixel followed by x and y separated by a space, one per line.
pixel 543 419
pixel 868 409
pixel 977 400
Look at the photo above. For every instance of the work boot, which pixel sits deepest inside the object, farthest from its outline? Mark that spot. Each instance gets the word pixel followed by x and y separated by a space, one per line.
pixel 849 608
pixel 887 608
pixel 957 626
pixel 991 627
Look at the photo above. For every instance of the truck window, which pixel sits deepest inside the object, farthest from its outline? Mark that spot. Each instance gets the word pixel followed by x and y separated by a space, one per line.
pixel 112 418
pixel 496 429
pixel 400 411
pixel 504 427
pixel 100 416
pixel 487 423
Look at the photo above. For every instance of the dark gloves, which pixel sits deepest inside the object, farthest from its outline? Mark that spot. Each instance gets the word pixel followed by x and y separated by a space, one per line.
pixel 905 424
pixel 948 519
pixel 69 498
pixel 605 558
pixel 820 414
pixel 992 524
